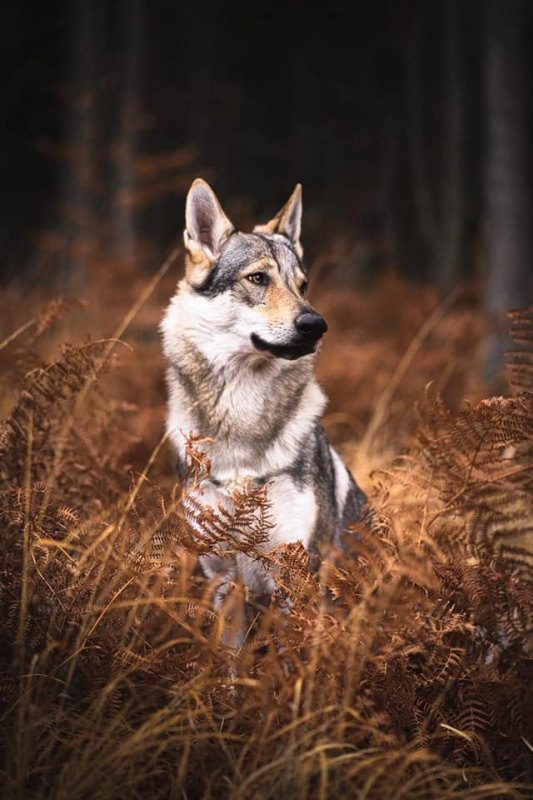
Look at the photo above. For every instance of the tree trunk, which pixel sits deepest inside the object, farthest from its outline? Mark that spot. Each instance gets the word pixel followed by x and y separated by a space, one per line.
pixel 438 195
pixel 450 249
pixel 507 204
pixel 128 132
pixel 78 172
pixel 202 41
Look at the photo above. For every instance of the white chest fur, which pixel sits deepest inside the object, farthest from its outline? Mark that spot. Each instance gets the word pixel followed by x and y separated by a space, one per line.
pixel 293 512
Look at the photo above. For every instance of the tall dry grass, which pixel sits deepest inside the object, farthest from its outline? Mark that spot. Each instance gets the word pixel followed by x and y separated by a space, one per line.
pixel 403 670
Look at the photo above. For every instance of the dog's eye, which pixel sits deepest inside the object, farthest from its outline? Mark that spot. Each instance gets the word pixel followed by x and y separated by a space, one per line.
pixel 258 278
pixel 303 287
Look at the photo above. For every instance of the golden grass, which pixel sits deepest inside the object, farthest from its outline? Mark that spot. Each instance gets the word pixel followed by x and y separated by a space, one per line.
pixel 401 671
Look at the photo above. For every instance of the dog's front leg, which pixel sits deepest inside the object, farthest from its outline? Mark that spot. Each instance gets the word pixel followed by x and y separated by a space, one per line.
pixel 227 599
pixel 229 602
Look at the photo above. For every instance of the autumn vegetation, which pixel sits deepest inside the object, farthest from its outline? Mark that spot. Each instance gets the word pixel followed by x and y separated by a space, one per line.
pixel 403 669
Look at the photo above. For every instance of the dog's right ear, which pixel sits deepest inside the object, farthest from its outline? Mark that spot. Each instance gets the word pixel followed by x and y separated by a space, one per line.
pixel 206 230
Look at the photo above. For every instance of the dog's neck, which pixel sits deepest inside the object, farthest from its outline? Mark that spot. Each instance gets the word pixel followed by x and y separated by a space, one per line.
pixel 253 410
pixel 241 395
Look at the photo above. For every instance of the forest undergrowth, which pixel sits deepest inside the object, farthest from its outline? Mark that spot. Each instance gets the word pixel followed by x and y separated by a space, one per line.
pixel 404 669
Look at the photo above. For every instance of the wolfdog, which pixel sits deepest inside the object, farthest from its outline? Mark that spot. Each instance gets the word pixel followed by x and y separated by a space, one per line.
pixel 240 343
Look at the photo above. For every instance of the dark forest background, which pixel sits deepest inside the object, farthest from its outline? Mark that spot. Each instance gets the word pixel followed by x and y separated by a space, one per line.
pixel 403 668
pixel 408 123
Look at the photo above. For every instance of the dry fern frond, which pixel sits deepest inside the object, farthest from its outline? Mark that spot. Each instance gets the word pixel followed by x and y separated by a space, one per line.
pixel 402 666
pixel 55 310
pixel 240 526
pixel 520 360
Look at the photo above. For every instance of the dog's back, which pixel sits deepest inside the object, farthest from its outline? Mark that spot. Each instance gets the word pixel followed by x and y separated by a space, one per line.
pixel 240 342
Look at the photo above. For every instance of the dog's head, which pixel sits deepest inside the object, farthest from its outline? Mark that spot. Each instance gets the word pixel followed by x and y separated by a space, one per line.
pixel 257 278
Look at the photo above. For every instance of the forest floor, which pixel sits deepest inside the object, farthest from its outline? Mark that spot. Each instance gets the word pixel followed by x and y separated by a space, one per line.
pixel 410 677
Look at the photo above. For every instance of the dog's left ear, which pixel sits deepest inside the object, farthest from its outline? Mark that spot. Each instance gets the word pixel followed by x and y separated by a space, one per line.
pixel 206 230
pixel 288 221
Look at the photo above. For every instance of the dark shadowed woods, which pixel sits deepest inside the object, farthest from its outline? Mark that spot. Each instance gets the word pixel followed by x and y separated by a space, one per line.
pixel 409 130
pixel 402 671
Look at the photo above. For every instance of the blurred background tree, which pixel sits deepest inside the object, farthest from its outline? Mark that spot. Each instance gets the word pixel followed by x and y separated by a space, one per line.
pixel 507 223
pixel 407 123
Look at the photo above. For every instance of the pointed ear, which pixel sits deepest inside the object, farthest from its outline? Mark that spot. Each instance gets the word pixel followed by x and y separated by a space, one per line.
pixel 206 230
pixel 288 221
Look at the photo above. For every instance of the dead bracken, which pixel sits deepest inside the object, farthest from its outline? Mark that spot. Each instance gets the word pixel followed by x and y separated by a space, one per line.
pixel 405 667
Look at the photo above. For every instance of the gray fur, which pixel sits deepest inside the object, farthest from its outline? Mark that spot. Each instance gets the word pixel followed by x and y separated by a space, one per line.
pixel 240 250
pixel 241 374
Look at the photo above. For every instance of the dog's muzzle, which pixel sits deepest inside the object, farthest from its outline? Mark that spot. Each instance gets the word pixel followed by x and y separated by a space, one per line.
pixel 309 328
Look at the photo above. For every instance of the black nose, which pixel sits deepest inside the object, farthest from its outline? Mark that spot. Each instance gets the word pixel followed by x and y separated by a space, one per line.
pixel 310 325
